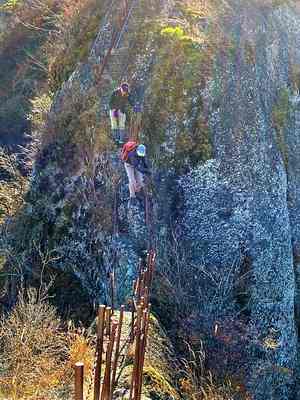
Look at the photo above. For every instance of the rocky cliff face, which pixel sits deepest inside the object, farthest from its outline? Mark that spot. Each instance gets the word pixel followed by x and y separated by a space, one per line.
pixel 238 209
pixel 2 19
pixel 222 130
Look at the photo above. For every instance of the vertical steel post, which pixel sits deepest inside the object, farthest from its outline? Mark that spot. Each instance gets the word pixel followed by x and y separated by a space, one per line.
pixel 99 351
pixel 136 357
pixel 106 389
pixel 113 289
pixel 132 321
pixel 79 375
pixel 116 357
pixel 107 321
pixel 139 283
pixel 146 315
pixel 146 296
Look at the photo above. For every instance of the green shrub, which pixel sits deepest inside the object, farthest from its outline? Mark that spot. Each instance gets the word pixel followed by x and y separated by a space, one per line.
pixel 181 65
pixel 10 5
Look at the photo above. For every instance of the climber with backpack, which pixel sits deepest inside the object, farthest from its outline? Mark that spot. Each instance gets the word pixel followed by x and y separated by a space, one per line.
pixel 134 157
pixel 120 99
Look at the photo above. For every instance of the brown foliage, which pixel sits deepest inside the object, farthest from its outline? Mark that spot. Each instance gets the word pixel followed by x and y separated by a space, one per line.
pixel 198 384
pixel 36 355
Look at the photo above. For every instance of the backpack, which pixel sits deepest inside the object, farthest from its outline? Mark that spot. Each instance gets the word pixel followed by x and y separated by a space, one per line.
pixel 127 148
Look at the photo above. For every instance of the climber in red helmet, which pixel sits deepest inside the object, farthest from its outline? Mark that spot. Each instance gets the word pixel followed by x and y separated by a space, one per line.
pixel 134 157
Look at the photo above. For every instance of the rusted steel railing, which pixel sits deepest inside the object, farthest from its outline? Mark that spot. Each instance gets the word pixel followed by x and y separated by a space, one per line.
pixel 109 339
pixel 99 351
pixel 141 298
pixel 117 351
pixel 119 26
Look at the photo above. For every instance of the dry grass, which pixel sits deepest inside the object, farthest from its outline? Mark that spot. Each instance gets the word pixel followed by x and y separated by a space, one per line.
pixel 198 384
pixel 37 356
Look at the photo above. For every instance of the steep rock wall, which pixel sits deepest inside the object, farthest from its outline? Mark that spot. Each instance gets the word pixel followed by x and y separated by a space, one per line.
pixel 77 202
pixel 237 214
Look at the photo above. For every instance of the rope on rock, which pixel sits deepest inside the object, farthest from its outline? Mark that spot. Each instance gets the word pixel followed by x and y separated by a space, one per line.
pixel 117 35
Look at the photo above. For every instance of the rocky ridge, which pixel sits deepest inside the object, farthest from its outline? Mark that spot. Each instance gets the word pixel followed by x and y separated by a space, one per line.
pixel 229 198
